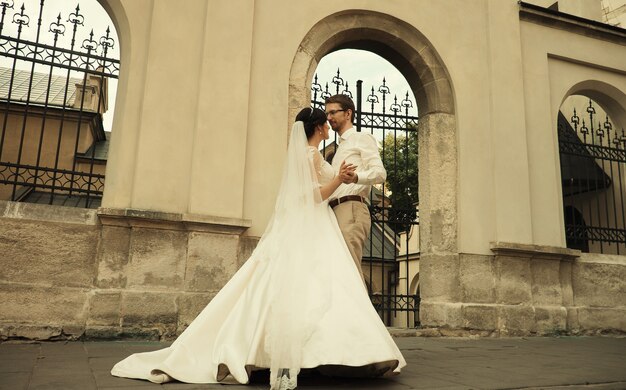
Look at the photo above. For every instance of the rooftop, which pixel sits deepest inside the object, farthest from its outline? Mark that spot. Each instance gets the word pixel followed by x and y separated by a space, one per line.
pixel 39 87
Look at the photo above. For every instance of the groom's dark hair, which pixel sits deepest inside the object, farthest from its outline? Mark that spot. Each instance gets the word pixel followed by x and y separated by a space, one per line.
pixel 345 102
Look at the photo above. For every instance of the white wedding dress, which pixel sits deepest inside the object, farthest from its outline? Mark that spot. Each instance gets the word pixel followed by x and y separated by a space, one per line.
pixel 298 302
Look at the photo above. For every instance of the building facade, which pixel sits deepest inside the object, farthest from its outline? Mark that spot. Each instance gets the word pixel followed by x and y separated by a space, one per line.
pixel 207 88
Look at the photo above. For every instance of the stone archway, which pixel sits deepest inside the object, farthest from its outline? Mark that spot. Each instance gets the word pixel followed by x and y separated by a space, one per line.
pixel 610 98
pixel 415 57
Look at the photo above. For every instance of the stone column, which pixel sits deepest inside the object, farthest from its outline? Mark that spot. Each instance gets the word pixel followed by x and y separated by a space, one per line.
pixel 439 258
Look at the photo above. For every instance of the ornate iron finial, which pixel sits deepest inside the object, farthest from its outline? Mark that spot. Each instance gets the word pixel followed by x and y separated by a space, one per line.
pixel 106 41
pixel 407 103
pixel 90 44
pixel 584 129
pixel 384 89
pixel 395 107
pixel 5 4
pixel 372 98
pixel 346 91
pixel 600 132
pixel 316 87
pixel 326 94
pixel 57 27
pixel 76 18
pixel 608 126
pixel 617 141
pixel 591 109
pixel 337 80
pixel 21 18
pixel 575 120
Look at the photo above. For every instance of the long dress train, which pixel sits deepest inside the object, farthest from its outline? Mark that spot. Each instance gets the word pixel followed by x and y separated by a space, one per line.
pixel 298 302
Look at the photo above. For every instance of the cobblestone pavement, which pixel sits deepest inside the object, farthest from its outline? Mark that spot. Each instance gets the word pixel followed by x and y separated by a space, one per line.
pixel 433 363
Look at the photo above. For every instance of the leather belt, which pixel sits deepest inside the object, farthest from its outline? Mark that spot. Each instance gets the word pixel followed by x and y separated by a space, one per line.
pixel 335 202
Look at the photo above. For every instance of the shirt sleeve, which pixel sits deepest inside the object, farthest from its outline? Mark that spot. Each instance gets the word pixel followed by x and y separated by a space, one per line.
pixel 371 170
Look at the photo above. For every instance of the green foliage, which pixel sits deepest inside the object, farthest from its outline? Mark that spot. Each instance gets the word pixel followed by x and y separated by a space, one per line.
pixel 399 155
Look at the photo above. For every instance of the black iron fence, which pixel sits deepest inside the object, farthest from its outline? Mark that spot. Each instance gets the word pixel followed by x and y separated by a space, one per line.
pixel 390 259
pixel 53 145
pixel 593 157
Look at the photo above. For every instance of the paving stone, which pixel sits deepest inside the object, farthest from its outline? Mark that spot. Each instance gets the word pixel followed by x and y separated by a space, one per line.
pixel 16 365
pixel 14 380
pixel 104 379
pixel 59 379
pixel 433 363
pixel 122 387
pixel 103 363
pixel 103 349
pixel 63 363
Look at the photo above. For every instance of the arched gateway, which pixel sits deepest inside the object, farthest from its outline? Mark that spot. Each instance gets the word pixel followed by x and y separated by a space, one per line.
pixel 415 57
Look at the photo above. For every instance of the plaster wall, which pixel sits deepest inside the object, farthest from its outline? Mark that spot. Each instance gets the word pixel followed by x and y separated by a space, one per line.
pixel 201 113
pixel 567 66
pixel 232 107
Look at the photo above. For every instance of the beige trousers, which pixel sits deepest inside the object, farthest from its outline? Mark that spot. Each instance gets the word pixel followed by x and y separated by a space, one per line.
pixel 355 224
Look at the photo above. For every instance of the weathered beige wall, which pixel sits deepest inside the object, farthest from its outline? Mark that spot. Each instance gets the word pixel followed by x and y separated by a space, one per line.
pixel 568 63
pixel 183 116
pixel 232 109
pixel 202 116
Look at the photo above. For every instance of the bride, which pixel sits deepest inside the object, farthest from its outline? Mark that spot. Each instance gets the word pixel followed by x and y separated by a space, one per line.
pixel 297 303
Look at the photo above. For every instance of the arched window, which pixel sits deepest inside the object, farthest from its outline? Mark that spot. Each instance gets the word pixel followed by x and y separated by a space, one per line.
pixel 58 67
pixel 593 167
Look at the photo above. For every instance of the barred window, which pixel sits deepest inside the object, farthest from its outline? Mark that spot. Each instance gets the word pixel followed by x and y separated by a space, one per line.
pixel 592 156
pixel 54 88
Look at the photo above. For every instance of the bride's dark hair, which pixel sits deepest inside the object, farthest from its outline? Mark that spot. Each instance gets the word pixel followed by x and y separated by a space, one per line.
pixel 311 117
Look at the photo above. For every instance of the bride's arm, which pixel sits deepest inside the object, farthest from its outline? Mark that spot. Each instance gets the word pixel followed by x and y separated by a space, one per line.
pixel 327 189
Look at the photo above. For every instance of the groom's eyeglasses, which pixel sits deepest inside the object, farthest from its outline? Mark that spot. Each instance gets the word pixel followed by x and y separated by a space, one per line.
pixel 333 112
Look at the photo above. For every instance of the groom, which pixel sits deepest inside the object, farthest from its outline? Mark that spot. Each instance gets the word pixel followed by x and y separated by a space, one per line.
pixel 349 200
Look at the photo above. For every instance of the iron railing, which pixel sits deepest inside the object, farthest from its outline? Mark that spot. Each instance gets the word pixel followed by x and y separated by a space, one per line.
pixel 592 155
pixel 52 143
pixel 387 270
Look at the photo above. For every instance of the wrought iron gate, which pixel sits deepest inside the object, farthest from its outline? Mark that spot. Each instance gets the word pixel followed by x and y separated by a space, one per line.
pixel 593 163
pixel 52 142
pixel 391 254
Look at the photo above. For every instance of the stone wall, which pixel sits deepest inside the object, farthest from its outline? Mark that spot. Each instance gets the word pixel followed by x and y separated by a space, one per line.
pixel 67 273
pixel 120 273
pixel 527 289
pixel 598 293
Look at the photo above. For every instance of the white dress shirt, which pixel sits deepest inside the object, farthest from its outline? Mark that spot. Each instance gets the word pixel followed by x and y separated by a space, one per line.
pixel 361 150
